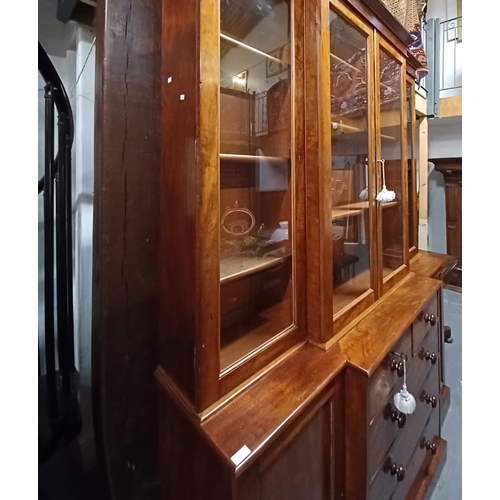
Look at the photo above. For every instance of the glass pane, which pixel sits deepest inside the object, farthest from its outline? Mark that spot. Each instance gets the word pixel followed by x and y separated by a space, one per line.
pixel 350 180
pixel 392 166
pixel 256 287
pixel 411 181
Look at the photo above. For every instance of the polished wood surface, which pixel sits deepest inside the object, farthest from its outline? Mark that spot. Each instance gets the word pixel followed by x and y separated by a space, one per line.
pixel 318 160
pixel 389 320
pixel 125 278
pixel 431 264
pixel 272 402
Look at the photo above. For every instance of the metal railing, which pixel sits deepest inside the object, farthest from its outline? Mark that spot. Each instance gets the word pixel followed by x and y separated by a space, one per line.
pixel 59 415
pixel 442 44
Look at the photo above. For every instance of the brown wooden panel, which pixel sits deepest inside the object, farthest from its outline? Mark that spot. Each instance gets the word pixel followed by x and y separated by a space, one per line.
pixel 179 188
pixel 356 430
pixel 304 469
pixel 126 244
pixel 189 469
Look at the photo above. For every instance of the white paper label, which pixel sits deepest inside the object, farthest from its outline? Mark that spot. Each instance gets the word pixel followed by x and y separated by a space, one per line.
pixel 240 455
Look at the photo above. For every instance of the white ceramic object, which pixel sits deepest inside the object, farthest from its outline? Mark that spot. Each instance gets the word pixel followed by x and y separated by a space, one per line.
pixel 281 233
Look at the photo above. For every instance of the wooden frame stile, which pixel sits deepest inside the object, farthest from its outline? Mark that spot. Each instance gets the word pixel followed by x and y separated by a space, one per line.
pixel 318 153
pixel 413 231
pixel 402 271
pixel 343 320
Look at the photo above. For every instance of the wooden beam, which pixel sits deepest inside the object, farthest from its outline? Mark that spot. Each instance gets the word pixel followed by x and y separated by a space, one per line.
pixel 423 197
pixel 450 106
pixel 420 105
pixel 126 245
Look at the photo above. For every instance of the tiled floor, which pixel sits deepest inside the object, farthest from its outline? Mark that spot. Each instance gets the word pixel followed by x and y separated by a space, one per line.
pixel 449 483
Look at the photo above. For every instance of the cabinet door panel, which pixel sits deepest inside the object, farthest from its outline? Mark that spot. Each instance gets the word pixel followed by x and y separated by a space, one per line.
pixel 352 146
pixel 390 159
pixel 256 176
pixel 304 469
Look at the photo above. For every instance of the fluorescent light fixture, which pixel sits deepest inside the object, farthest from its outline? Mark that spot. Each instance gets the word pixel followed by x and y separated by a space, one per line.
pixel 244 45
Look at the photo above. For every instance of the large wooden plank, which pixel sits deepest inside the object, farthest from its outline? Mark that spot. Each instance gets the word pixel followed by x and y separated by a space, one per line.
pixel 450 106
pixel 126 221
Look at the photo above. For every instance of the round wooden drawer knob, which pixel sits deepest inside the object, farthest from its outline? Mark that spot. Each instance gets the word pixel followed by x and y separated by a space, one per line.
pixel 431 400
pixel 430 318
pixel 398 470
pixel 399 417
pixel 429 356
pixel 397 366
pixel 430 446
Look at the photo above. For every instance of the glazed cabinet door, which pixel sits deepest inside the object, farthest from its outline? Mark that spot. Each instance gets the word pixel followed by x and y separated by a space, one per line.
pixel 391 162
pixel 352 167
pixel 232 191
pixel 260 184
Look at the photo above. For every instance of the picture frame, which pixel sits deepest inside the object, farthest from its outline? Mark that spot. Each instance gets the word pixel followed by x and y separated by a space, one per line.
pixel 273 66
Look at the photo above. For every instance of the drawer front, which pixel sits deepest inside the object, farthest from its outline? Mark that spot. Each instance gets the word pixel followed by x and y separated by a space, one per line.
pixel 428 348
pixel 385 377
pixel 427 318
pixel 394 433
pixel 408 460
pixel 416 461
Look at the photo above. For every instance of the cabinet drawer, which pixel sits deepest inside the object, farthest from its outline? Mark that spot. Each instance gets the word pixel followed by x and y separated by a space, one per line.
pixel 427 318
pixel 417 459
pixel 407 451
pixel 385 377
pixel 386 434
pixel 428 349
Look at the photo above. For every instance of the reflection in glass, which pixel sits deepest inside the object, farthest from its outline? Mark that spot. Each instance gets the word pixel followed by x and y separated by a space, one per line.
pixel 391 139
pixel 350 181
pixel 256 288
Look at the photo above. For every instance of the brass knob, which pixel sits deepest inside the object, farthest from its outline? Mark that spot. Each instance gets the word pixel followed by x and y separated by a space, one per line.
pixel 400 418
pixel 398 471
pixel 429 356
pixel 432 400
pixel 397 366
pixel 430 318
pixel 430 446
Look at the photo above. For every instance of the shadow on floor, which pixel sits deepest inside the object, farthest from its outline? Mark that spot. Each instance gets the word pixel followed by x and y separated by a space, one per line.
pixel 61 478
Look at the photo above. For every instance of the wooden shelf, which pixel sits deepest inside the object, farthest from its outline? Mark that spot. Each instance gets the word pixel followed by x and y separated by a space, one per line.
pixel 266 326
pixel 349 291
pixel 339 129
pixel 234 268
pixel 341 213
pixel 364 205
pixel 253 158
